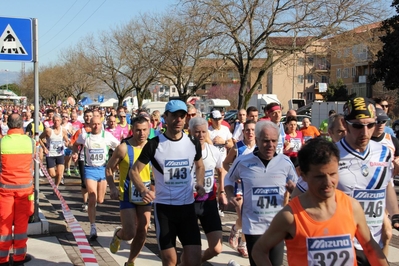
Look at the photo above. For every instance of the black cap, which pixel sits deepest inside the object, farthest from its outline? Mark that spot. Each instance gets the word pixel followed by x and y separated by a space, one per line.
pixel 359 108
pixel 381 115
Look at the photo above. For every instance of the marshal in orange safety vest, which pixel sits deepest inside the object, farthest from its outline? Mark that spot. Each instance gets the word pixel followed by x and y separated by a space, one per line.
pixel 16 191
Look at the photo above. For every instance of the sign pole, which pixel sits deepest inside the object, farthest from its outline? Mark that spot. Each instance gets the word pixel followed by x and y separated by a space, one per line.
pixel 36 111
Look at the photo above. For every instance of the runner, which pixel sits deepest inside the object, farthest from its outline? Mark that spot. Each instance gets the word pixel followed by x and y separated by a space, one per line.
pixel 234 190
pixel 365 170
pixel 309 223
pixel 237 127
pixel 206 206
pixel 172 155
pixel 263 194
pixel 135 214
pixel 88 115
pixel 56 139
pixel 65 124
pixel 220 134
pixel 95 151
pixel 49 118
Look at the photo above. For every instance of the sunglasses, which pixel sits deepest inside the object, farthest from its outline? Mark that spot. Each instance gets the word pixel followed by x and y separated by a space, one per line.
pixel 361 126
pixel 192 115
pixel 122 116
pixel 64 117
pixel 381 122
pixel 384 105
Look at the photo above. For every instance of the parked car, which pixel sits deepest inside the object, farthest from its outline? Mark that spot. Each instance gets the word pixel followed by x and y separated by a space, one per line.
pixel 299 118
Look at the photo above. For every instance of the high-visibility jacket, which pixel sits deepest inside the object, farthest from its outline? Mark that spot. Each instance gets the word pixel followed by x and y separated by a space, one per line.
pixel 16 160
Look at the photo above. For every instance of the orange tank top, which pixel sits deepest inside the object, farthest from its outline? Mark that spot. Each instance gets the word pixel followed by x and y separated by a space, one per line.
pixel 323 243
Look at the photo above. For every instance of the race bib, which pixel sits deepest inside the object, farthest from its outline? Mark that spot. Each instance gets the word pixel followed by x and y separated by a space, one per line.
pixel 295 144
pixel 330 251
pixel 266 202
pixel 208 181
pixel 57 146
pixel 373 204
pixel 280 145
pixel 176 172
pixel 135 195
pixel 306 138
pixel 97 156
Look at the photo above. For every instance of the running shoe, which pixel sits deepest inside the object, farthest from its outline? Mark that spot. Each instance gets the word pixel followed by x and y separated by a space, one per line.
pixel 62 181
pixel 242 249
pixel 84 207
pixel 115 241
pixel 233 263
pixel 129 264
pixel 93 233
pixel 221 213
pixel 41 173
pixel 76 171
pixel 68 172
pixel 233 238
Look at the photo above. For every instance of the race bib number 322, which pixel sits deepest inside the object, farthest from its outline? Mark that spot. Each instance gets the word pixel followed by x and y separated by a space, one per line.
pixel 330 250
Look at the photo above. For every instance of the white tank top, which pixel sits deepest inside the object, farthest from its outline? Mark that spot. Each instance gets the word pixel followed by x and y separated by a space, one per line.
pixel 55 144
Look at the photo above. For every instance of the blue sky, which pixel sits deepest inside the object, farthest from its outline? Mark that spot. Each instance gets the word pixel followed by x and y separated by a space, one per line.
pixel 63 23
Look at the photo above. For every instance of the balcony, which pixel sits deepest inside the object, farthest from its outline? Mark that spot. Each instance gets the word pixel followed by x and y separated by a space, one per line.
pixel 321 68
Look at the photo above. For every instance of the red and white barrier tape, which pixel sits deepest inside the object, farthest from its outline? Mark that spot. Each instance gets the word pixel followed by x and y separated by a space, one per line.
pixel 84 247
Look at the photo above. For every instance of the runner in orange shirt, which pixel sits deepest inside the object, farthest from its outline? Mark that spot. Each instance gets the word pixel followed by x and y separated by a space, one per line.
pixel 309 131
pixel 311 224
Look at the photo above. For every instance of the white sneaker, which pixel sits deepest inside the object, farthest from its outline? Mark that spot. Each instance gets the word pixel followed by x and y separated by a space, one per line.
pixel 233 263
pixel 41 173
pixel 84 207
pixel 62 181
pixel 221 214
pixel 93 233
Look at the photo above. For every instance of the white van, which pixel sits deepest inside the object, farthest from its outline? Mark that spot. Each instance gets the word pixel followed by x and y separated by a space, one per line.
pixel 152 106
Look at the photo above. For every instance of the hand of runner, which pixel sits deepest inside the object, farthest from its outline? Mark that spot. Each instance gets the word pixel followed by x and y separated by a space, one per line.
pixel 114 193
pixel 74 156
pixel 222 201
pixel 45 151
pixel 235 201
pixel 395 221
pixel 148 196
pixel 290 186
pixel 200 190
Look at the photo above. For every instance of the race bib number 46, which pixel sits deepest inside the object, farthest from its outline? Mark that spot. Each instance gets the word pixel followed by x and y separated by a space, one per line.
pixel 330 251
pixel 373 204
pixel 177 172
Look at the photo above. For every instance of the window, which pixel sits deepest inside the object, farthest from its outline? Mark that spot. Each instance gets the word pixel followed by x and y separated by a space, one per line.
pixel 338 73
pixel 309 96
pixel 345 73
pixel 353 72
pixel 310 60
pixel 301 61
pixel 309 77
pixel 300 78
pixel 324 79
pixel 173 89
pixel 347 52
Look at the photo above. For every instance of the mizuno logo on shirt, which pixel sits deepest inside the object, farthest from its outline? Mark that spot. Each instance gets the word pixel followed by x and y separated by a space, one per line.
pixel 265 191
pixel 174 163
pixel 369 195
pixel 333 242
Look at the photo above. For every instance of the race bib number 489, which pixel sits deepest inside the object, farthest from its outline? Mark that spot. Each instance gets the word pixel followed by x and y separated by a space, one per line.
pixel 330 251
pixel 177 172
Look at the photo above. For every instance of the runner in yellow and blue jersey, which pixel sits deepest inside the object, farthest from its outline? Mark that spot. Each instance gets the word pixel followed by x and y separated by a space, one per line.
pixel 135 214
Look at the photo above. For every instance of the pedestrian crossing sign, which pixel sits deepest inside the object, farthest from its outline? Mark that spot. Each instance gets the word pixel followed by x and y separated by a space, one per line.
pixel 16 39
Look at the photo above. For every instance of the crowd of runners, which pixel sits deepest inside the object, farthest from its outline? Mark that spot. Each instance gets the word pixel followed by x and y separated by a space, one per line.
pixel 290 186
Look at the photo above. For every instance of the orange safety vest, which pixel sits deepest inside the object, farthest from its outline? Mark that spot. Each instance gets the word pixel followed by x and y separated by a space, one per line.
pixel 341 223
pixel 16 160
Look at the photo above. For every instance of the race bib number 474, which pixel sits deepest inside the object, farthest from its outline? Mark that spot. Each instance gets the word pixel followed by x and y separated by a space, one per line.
pixel 330 250
pixel 177 172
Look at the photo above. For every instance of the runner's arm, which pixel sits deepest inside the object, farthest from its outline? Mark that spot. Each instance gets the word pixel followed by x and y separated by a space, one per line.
pixel 392 203
pixel 281 226
pixel 112 164
pixel 231 155
pixel 371 249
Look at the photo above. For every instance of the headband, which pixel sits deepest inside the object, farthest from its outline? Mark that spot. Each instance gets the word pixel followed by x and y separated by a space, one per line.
pixel 274 108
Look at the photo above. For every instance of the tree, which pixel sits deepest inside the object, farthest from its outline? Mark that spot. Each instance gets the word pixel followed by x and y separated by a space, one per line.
pixel 337 92
pixel 12 87
pixel 228 92
pixel 385 66
pixel 247 28
pixel 184 45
